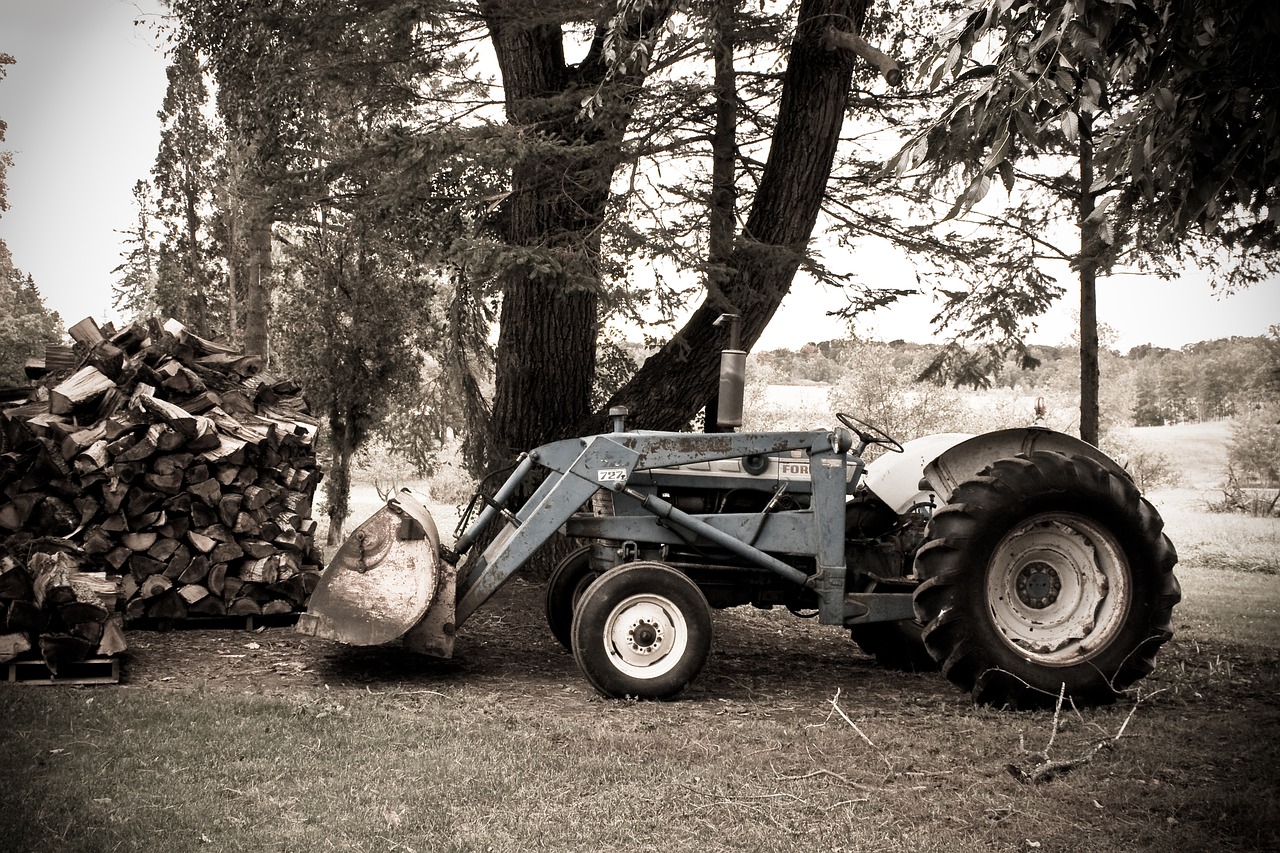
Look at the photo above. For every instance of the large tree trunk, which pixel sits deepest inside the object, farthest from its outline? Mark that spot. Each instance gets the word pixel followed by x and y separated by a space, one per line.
pixel 722 210
pixel 337 487
pixel 676 382
pixel 559 190
pixel 546 346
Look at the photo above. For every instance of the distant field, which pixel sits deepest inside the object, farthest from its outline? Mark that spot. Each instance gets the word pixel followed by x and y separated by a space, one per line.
pixel 797 396
pixel 1199 451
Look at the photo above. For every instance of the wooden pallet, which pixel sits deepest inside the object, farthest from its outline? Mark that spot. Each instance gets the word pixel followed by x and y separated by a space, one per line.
pixel 248 623
pixel 91 671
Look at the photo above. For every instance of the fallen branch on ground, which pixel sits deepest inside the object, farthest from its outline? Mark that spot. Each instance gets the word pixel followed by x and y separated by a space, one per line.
pixel 1049 768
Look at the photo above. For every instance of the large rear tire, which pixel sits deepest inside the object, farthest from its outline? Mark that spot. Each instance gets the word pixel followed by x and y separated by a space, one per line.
pixel 1047 572
pixel 568 581
pixel 895 645
pixel 642 630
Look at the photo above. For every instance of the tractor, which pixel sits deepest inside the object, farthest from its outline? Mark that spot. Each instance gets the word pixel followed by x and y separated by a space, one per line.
pixel 1023 563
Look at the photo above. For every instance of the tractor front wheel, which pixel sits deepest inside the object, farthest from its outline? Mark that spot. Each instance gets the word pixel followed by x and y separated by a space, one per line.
pixel 1046 573
pixel 641 630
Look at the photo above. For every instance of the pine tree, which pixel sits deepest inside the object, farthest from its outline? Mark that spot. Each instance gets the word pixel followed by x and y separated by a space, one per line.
pixel 26 325
pixel 134 292
pixel 185 285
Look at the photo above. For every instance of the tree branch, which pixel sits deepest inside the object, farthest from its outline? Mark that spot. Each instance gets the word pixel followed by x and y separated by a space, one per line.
pixel 877 59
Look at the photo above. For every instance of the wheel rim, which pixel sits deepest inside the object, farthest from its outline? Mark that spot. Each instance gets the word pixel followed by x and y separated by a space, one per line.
pixel 645 636
pixel 1058 588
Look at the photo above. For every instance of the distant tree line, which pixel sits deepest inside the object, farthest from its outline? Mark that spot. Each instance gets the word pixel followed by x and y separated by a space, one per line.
pixel 1147 386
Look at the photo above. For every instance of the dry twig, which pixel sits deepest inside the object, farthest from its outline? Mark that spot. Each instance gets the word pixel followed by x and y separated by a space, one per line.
pixel 852 724
pixel 1048 768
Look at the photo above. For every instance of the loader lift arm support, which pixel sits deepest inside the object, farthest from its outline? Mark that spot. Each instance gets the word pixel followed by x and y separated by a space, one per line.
pixel 579 467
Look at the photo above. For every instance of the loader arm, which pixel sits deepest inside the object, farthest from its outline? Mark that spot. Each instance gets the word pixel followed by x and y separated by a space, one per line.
pixel 609 461
pixel 393 579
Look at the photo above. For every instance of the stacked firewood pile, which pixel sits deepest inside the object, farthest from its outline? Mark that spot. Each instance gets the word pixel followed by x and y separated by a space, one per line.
pixel 50 604
pixel 171 466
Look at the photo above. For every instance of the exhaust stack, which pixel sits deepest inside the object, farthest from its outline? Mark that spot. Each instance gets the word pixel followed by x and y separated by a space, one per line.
pixel 733 375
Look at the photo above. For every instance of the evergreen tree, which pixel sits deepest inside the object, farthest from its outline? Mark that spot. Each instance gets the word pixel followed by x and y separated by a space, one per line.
pixel 184 276
pixel 134 292
pixel 26 325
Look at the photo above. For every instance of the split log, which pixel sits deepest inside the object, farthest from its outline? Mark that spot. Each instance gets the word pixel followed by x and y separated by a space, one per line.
pixel 51 579
pixel 86 333
pixel 113 641
pixel 62 649
pixel 13 645
pixel 86 385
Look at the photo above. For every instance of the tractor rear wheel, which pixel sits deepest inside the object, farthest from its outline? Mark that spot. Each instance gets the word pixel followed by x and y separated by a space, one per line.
pixel 642 630
pixel 568 580
pixel 1047 573
pixel 895 645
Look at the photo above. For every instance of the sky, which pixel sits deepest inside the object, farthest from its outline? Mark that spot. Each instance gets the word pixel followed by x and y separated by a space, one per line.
pixel 81 105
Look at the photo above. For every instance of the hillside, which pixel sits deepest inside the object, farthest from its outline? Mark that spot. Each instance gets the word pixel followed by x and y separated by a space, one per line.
pixel 1198 451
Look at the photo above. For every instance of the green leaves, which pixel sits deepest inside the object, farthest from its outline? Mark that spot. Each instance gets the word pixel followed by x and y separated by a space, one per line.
pixel 26 325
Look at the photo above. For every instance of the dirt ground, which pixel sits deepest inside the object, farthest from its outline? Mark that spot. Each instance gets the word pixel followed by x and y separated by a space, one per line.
pixel 756 655
pixel 769 657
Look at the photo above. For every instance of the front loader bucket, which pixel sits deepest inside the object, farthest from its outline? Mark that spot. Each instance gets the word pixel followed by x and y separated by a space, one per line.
pixel 386 582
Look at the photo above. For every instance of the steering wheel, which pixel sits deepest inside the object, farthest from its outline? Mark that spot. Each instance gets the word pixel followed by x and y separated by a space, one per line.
pixel 869 433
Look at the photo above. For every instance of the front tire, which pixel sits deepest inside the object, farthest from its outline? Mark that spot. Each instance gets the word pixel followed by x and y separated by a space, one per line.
pixel 642 630
pixel 1048 572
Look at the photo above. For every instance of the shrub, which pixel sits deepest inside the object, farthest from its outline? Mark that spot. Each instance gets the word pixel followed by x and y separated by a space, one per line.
pixel 1253 453
pixel 1259 503
pixel 1150 469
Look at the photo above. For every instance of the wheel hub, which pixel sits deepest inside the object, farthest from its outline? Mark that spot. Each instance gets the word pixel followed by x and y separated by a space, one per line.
pixel 644 636
pixel 1038 585
pixel 1058 588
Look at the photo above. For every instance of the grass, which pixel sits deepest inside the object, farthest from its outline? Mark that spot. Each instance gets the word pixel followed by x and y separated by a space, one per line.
pixel 460 769
pixel 129 770
pixel 1218 540
pixel 1198 451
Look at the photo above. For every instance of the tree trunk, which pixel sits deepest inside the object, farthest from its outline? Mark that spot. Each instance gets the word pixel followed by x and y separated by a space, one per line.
pixel 722 210
pixel 724 148
pixel 545 360
pixel 338 483
pixel 1090 373
pixel 195 269
pixel 257 308
pixel 675 382
pixel 235 273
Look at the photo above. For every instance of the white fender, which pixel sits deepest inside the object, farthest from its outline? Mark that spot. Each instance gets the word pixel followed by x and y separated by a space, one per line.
pixel 895 477
pixel 946 460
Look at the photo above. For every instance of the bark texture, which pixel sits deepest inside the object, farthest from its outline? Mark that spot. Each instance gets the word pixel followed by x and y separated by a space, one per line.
pixel 545 358
pixel 1090 244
